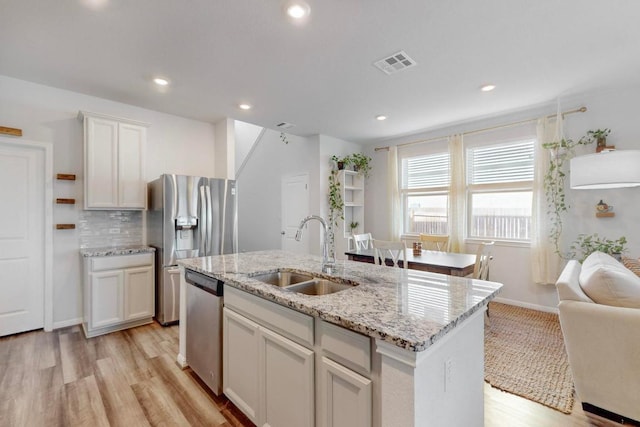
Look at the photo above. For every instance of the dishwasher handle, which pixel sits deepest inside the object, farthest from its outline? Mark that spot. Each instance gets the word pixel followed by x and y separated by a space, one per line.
pixel 206 283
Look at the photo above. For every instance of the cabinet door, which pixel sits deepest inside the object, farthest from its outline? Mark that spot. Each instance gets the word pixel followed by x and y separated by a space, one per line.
pixel 106 298
pixel 131 166
pixel 287 382
pixel 345 399
pixel 138 293
pixel 101 163
pixel 240 363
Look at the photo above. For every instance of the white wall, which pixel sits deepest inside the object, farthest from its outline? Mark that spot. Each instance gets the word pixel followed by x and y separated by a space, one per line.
pixel 615 109
pixel 246 135
pixel 259 198
pixel 175 145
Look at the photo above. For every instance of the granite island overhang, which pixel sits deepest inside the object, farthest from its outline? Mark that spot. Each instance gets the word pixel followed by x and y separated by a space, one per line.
pixel 411 315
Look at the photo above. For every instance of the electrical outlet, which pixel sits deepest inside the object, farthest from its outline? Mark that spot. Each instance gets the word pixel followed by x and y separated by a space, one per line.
pixel 448 374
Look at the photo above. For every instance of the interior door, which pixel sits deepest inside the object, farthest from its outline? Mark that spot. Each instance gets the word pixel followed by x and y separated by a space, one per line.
pixel 22 217
pixel 295 206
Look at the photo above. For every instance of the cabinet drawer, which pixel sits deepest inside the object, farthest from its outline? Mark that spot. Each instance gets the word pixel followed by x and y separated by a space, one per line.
pixel 290 323
pixel 120 261
pixel 346 347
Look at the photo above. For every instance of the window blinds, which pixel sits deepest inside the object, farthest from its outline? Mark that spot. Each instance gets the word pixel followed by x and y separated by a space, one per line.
pixel 500 163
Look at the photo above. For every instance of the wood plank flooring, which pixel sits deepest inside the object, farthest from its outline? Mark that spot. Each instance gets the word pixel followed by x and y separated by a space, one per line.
pixel 130 378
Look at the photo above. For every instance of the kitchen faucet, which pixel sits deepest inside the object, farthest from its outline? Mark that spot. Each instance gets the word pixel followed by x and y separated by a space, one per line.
pixel 328 261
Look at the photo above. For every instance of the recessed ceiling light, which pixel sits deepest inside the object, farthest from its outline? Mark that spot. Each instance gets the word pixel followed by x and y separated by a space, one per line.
pixel 160 81
pixel 487 88
pixel 381 117
pixel 244 106
pixel 298 10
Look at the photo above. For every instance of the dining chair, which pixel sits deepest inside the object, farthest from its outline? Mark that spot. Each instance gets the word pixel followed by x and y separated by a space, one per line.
pixel 435 242
pixel 395 251
pixel 483 256
pixel 362 241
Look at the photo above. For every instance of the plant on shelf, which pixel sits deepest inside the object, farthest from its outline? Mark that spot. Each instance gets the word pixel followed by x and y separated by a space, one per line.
pixel 554 183
pixel 586 244
pixel 600 136
pixel 341 162
pixel 353 225
pixel 361 163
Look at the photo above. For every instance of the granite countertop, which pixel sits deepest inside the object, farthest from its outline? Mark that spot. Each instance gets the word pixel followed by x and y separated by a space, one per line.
pixel 411 309
pixel 111 251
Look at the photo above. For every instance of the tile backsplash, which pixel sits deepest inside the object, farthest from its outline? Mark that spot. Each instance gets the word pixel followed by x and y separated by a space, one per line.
pixel 100 229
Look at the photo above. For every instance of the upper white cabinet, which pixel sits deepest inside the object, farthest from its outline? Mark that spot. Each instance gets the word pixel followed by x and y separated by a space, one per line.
pixel 114 162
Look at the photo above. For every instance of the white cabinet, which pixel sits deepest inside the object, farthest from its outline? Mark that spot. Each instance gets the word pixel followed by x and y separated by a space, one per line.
pixel 345 396
pixel 114 162
pixel 352 187
pixel 118 292
pixel 267 375
pixel 345 387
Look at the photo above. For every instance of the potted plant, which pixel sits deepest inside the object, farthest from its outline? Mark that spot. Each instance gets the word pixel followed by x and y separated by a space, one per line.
pixel 586 244
pixel 361 163
pixel 600 136
pixel 341 162
pixel 353 226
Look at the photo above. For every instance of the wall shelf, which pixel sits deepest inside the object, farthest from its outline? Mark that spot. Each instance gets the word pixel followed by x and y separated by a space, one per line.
pixel 65 226
pixel 605 214
pixel 66 177
pixel 66 201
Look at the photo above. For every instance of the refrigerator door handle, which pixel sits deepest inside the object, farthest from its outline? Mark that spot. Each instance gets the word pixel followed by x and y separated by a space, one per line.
pixel 209 220
pixel 223 215
pixel 203 222
pixel 175 290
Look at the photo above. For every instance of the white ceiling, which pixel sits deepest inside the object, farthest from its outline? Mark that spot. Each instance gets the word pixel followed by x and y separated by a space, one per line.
pixel 320 76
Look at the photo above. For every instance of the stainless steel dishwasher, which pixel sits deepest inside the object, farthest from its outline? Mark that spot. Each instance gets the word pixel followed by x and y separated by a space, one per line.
pixel 204 328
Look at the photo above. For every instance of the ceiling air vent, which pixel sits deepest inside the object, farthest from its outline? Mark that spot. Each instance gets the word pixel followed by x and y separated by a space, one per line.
pixel 285 125
pixel 394 63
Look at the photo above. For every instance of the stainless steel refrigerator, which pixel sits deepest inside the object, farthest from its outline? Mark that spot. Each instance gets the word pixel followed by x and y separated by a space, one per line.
pixel 188 216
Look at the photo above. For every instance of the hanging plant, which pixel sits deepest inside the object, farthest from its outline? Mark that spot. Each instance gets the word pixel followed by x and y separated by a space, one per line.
pixel 336 206
pixel 283 138
pixel 554 184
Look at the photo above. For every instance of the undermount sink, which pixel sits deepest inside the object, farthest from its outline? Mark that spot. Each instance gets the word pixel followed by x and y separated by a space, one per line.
pixel 282 278
pixel 302 283
pixel 319 287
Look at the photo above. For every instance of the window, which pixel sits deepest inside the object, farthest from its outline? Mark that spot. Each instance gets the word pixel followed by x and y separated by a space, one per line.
pixel 499 184
pixel 424 190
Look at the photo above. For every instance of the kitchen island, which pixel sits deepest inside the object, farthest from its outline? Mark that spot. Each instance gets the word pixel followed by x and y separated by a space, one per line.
pixel 426 332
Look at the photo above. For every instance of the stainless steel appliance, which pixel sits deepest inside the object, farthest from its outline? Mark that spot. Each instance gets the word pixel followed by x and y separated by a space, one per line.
pixel 188 216
pixel 204 328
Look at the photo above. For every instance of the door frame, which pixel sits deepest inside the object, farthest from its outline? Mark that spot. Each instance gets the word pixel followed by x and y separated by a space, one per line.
pixel 47 149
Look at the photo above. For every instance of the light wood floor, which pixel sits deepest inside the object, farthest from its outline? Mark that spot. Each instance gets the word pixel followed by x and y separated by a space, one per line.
pixel 130 378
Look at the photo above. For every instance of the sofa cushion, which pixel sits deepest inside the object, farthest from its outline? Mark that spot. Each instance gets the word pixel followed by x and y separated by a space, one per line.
pixel 610 283
pixel 600 258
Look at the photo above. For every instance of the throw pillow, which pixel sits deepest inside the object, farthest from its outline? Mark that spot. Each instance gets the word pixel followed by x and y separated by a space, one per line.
pixel 611 284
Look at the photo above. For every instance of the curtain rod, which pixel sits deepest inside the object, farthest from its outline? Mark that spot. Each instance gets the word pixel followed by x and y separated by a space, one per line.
pixel 471 132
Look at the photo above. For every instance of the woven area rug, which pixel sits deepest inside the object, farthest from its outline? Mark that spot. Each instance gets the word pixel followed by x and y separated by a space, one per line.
pixel 525 355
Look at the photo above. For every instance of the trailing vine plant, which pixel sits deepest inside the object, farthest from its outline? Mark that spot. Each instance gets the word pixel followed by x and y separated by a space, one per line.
pixel 283 138
pixel 335 198
pixel 554 184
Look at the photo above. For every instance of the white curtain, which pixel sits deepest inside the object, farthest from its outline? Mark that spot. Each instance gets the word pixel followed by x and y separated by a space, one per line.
pixel 457 193
pixel 545 263
pixel 393 202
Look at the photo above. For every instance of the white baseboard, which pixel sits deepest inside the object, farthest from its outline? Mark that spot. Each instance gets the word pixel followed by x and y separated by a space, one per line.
pixel 527 305
pixel 67 323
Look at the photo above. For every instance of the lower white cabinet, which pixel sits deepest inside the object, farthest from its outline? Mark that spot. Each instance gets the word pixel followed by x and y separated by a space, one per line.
pixel 267 376
pixel 345 396
pixel 118 292
pixel 284 368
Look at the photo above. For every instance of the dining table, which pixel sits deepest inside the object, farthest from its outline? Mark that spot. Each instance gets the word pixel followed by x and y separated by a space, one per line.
pixel 451 263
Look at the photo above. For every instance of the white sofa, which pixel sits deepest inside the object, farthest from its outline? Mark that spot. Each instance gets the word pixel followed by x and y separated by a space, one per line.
pixel 602 342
